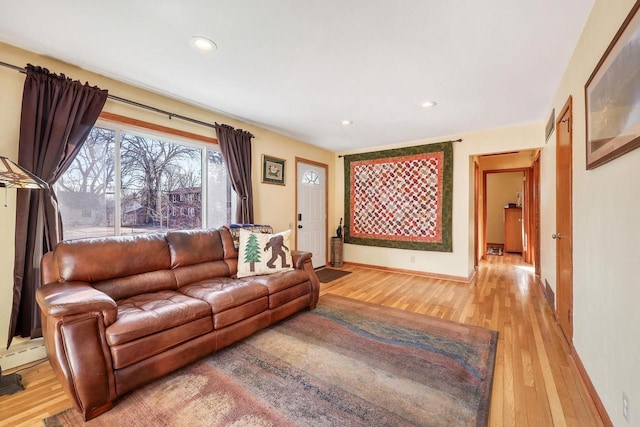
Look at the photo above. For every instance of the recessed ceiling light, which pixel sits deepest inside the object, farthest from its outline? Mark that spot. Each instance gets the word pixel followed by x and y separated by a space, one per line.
pixel 346 122
pixel 202 43
pixel 428 104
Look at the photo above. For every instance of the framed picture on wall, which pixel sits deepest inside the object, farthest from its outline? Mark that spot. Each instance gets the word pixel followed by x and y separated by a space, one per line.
pixel 273 170
pixel 612 96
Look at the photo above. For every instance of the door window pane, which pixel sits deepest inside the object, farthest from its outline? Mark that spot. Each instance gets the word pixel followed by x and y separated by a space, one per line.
pixel 311 177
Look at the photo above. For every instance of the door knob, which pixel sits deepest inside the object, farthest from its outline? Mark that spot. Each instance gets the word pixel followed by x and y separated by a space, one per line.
pixel 556 236
pixel 299 226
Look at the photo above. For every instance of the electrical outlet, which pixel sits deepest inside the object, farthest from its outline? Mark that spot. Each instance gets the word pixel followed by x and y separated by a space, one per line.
pixel 412 259
pixel 625 408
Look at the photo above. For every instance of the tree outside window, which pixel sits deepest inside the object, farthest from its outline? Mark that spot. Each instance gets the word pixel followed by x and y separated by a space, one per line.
pixel 157 185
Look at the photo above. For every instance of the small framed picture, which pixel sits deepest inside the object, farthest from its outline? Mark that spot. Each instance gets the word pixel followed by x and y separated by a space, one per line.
pixel 272 170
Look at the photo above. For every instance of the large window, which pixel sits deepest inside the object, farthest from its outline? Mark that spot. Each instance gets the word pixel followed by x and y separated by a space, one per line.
pixel 125 182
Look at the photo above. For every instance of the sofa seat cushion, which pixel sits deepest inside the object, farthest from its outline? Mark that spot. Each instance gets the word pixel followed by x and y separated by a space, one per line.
pixel 231 300
pixel 224 293
pixel 285 286
pixel 239 313
pixel 147 314
pixel 277 282
pixel 281 298
pixel 131 352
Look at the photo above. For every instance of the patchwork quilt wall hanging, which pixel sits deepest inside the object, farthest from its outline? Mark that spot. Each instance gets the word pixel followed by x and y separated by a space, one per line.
pixel 400 198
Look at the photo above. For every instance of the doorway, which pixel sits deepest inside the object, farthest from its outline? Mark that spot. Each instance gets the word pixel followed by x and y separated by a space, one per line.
pixel 525 164
pixel 311 214
pixel 503 225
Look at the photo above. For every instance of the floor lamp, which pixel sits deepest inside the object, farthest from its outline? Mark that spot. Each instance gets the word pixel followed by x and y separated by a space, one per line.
pixel 15 176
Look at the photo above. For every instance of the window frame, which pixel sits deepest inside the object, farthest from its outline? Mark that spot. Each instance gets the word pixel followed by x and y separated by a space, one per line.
pixel 122 124
pixel 164 138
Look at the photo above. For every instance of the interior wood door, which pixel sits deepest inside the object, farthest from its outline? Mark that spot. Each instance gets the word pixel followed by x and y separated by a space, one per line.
pixel 564 221
pixel 311 218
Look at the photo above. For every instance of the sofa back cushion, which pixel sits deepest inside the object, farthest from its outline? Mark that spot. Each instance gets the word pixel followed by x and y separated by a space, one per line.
pixel 189 247
pixel 197 255
pixel 137 284
pixel 105 259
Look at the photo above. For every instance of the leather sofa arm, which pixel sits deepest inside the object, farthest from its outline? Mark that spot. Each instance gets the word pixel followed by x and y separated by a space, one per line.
pixel 74 318
pixel 299 258
pixel 71 298
pixel 302 261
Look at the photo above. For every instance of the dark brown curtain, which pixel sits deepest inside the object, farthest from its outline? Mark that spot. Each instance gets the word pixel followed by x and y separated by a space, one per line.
pixel 57 116
pixel 235 145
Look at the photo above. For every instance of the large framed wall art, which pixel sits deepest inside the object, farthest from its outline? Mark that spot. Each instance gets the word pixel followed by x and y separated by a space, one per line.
pixel 400 198
pixel 612 96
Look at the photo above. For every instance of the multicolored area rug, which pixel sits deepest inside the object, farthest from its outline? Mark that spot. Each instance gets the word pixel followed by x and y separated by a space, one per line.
pixel 347 363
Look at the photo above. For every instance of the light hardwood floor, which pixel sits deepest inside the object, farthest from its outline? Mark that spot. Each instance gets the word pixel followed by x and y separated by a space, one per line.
pixel 536 383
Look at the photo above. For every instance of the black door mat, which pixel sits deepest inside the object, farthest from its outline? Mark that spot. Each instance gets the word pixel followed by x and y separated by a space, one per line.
pixel 326 275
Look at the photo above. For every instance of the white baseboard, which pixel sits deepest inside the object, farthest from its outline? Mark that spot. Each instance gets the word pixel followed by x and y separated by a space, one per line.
pixel 22 354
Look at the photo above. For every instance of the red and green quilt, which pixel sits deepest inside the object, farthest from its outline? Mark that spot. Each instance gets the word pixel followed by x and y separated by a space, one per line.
pixel 400 198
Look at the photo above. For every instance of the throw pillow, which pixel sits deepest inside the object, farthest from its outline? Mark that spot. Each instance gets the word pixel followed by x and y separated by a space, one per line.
pixel 234 229
pixel 263 253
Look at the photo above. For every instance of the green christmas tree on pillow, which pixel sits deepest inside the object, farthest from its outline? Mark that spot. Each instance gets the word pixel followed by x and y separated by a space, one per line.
pixel 252 253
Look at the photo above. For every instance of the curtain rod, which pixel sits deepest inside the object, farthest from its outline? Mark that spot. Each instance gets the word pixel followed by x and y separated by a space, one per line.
pixel 440 142
pixel 130 102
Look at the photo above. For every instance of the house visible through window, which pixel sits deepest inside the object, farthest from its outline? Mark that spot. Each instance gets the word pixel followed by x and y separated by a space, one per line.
pixel 126 182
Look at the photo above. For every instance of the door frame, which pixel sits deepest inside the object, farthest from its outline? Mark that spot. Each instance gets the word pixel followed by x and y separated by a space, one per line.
pixel 535 220
pixel 326 203
pixel 484 205
pixel 476 202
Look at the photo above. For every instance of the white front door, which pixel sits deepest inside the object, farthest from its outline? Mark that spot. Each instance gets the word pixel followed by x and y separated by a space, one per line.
pixel 311 219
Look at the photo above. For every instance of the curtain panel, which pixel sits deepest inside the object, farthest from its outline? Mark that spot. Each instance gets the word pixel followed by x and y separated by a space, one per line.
pixel 57 116
pixel 235 145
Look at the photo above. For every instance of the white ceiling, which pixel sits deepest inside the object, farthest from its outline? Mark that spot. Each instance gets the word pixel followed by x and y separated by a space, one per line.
pixel 301 67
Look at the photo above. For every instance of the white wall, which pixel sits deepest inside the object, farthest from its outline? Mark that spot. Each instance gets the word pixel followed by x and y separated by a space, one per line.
pixel 458 263
pixel 606 234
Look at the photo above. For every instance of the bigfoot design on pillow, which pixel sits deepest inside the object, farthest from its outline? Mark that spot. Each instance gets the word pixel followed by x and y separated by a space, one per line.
pixel 253 261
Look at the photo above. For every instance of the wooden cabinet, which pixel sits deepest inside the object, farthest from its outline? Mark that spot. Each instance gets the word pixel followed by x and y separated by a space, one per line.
pixel 513 230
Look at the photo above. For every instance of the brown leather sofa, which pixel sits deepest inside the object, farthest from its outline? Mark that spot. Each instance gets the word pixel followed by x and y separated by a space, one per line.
pixel 118 312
